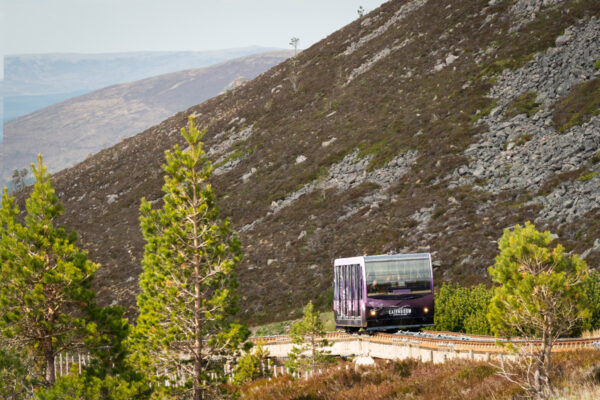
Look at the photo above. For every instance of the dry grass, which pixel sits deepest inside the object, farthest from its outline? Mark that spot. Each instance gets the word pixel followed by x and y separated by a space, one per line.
pixel 583 392
pixel 572 376
pixel 393 380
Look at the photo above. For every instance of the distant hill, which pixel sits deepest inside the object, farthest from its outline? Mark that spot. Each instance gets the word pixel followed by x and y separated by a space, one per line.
pixel 426 125
pixel 40 74
pixel 35 81
pixel 69 131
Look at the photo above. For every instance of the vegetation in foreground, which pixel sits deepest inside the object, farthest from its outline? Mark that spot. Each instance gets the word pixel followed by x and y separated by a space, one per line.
pixel 575 374
pixel 308 337
pixel 188 285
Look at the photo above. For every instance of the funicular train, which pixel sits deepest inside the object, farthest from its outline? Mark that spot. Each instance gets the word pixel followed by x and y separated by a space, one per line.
pixel 383 293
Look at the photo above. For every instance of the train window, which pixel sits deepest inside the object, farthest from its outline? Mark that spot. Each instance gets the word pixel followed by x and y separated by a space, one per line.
pixel 336 284
pixel 352 289
pixel 398 276
pixel 344 292
pixel 360 284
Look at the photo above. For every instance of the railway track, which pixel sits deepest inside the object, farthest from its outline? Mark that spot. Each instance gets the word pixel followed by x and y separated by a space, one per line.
pixel 441 342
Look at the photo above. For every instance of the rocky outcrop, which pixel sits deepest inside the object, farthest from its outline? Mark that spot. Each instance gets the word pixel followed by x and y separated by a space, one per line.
pixel 404 11
pixel 525 11
pixel 351 172
pixel 523 152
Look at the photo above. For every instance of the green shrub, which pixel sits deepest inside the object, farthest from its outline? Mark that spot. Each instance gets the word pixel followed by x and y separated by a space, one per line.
pixel 251 365
pixel 597 65
pixel 592 291
pixel 587 177
pixel 462 309
pixel 85 387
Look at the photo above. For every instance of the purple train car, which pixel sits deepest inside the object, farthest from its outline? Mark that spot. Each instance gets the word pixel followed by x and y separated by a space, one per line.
pixel 386 292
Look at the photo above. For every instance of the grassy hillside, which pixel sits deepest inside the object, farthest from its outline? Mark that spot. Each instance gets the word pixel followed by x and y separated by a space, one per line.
pixel 382 137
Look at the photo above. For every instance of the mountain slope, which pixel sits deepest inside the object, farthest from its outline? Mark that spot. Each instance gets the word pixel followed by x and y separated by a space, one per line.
pixel 413 128
pixel 69 131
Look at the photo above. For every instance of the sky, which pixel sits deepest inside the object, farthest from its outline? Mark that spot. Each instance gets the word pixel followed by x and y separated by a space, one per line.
pixel 108 26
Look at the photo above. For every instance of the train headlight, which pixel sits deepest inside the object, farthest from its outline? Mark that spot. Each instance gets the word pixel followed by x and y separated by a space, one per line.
pixel 373 312
pixel 425 310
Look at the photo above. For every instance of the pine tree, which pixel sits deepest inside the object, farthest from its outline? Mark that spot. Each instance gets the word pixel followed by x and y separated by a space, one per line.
pixel 360 11
pixel 541 296
pixel 251 365
pixel 188 284
pixel 308 337
pixel 44 279
pixel 18 178
pixel 294 43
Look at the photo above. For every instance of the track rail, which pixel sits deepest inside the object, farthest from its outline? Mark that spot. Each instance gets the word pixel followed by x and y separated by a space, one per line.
pixel 442 341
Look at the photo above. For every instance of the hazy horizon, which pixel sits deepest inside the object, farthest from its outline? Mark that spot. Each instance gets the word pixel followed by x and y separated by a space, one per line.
pixel 125 26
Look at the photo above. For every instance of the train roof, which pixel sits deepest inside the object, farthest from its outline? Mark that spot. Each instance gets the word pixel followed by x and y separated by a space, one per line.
pixel 388 257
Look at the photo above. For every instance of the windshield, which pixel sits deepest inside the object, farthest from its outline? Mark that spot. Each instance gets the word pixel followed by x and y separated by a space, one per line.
pixel 397 277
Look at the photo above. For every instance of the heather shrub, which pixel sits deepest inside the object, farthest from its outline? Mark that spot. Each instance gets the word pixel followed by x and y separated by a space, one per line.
pixel 406 379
